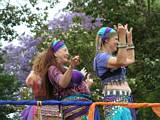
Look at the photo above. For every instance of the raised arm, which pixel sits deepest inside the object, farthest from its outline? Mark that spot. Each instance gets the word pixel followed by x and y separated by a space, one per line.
pixel 31 78
pixel 124 57
pixel 63 79
pixel 121 58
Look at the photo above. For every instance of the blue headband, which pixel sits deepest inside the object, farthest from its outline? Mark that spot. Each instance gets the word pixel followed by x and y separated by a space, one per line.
pixel 104 31
pixel 57 44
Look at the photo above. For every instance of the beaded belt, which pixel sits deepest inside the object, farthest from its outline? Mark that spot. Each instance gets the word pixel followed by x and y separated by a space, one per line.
pixel 114 80
pixel 117 92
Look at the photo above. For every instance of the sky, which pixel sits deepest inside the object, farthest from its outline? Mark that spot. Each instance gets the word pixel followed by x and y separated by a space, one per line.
pixel 22 28
pixel 42 4
pixel 51 12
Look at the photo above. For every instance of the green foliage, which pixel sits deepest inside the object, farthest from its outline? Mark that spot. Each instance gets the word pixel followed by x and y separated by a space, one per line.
pixel 80 42
pixel 8 91
pixel 9 87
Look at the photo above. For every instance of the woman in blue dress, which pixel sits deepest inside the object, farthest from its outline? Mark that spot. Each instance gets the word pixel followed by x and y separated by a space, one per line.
pixel 114 53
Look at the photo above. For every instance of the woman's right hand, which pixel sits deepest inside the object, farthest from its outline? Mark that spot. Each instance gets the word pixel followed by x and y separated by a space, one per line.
pixel 129 34
pixel 74 61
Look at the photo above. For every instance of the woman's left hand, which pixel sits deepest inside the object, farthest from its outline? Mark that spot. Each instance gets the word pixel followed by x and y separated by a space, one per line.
pixel 84 71
pixel 89 81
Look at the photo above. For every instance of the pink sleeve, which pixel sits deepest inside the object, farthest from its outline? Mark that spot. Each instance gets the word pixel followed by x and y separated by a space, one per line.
pixel 54 74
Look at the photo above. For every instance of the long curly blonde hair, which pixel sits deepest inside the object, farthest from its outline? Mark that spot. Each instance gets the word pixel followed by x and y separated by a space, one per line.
pixel 36 76
pixel 41 63
pixel 37 69
pixel 38 63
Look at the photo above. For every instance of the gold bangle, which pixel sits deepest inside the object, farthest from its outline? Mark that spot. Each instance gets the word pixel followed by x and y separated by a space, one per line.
pixel 122 45
pixel 130 46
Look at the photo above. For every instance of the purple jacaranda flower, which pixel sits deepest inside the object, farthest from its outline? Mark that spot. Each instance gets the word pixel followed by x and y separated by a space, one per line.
pixel 18 58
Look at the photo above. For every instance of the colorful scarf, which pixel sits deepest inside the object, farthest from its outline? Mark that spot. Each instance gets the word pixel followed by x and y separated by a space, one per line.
pixel 72 112
pixel 47 112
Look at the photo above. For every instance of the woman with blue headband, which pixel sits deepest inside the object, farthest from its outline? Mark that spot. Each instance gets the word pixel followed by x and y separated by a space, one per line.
pixel 67 83
pixel 114 53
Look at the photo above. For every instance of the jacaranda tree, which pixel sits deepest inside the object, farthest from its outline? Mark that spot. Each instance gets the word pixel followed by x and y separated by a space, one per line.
pixel 76 29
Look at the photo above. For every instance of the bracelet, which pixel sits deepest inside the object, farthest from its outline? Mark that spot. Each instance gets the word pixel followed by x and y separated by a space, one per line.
pixel 130 46
pixel 122 45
